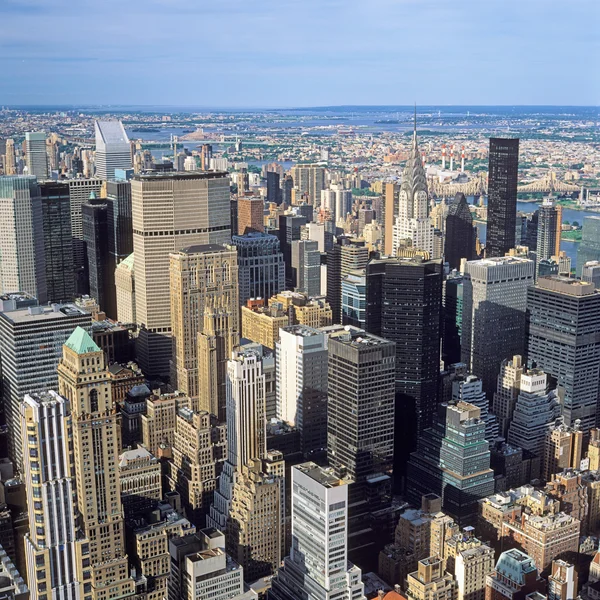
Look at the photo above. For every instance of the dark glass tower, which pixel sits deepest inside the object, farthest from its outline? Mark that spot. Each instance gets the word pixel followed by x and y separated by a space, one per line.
pixel 589 247
pixel 273 188
pixel 453 313
pixel 58 242
pixel 460 235
pixel 347 254
pixel 502 196
pixel 120 227
pixel 94 217
pixel 290 227
pixel 404 304
pixel 563 339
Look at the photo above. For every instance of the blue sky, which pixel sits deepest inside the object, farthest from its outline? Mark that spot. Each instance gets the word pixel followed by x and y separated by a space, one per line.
pixel 284 53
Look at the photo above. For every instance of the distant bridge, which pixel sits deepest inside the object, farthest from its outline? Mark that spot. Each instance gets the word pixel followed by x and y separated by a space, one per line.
pixel 549 183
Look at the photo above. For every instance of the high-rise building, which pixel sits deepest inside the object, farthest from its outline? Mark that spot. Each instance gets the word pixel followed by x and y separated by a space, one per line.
pixel 354 299
pixel 404 298
pixel 261 324
pixel 306 267
pixel 507 391
pixel 452 299
pixel 471 567
pixel 290 228
pixel 535 412
pixel 80 191
pixel 309 179
pixel 563 339
pixel 562 449
pixel 52 549
pixel 84 382
pixel 170 211
pixel 494 302
pixel 274 194
pixel 431 581
pixel 198 451
pixel 10 159
pixel 460 235
pixel 452 460
pixel 302 384
pixel 250 215
pixel 287 185
pixel 246 426
pixel 469 389
pixel 31 339
pixel 58 242
pixel 390 212
pixel 591 272
pixel 562 583
pixel 140 478
pixel 200 568
pixel 502 196
pixel 261 269
pixel 113 150
pixel 347 254
pixel 549 230
pixel 100 275
pixel 125 290
pixel 514 577
pixel 37 159
pixel 360 430
pixel 589 247
pixel 120 231
pixel 318 567
pixel 203 277
pixel 413 225
pixel 22 256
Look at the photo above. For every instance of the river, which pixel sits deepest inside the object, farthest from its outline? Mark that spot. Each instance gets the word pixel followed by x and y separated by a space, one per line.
pixel 568 214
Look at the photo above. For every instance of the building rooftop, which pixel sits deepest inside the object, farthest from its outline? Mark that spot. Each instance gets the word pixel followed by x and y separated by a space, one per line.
pixel 81 342
pixel 566 285
pixel 514 565
pixel 35 314
pixel 199 248
pixel 323 476
pixel 181 175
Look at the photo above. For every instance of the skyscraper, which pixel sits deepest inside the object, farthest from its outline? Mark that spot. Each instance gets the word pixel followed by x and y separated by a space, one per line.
pixel 404 303
pixel 10 159
pixel 80 191
pixel 347 254
pixel 354 299
pixel 84 381
pixel 120 232
pixel 250 215
pixel 22 258
pixel 31 339
pixel 261 270
pixel 125 290
pixel 309 179
pixel 290 227
pixel 302 384
pixel 170 211
pixel 563 339
pixel 37 159
pixel 507 391
pixel 452 460
pixel 494 301
pixel 453 317
pixel 203 277
pixel 94 219
pixel 502 196
pixel 306 266
pixel 317 567
pixel 113 150
pixel 360 430
pixel 58 242
pixel 413 224
pixel 273 188
pixel 589 247
pixel 460 235
pixel 390 212
pixel 52 548
pixel 549 230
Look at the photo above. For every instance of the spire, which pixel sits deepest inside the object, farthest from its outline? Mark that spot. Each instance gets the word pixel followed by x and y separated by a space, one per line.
pixel 415 127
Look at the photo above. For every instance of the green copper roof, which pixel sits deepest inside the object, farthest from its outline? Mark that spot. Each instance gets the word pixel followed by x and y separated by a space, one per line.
pixel 81 342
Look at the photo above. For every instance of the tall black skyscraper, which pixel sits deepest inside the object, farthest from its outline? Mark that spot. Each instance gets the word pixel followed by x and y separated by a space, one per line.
pixel 460 235
pixel 120 228
pixel 502 196
pixel 404 304
pixel 58 242
pixel 273 187
pixel 287 185
pixel 94 217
